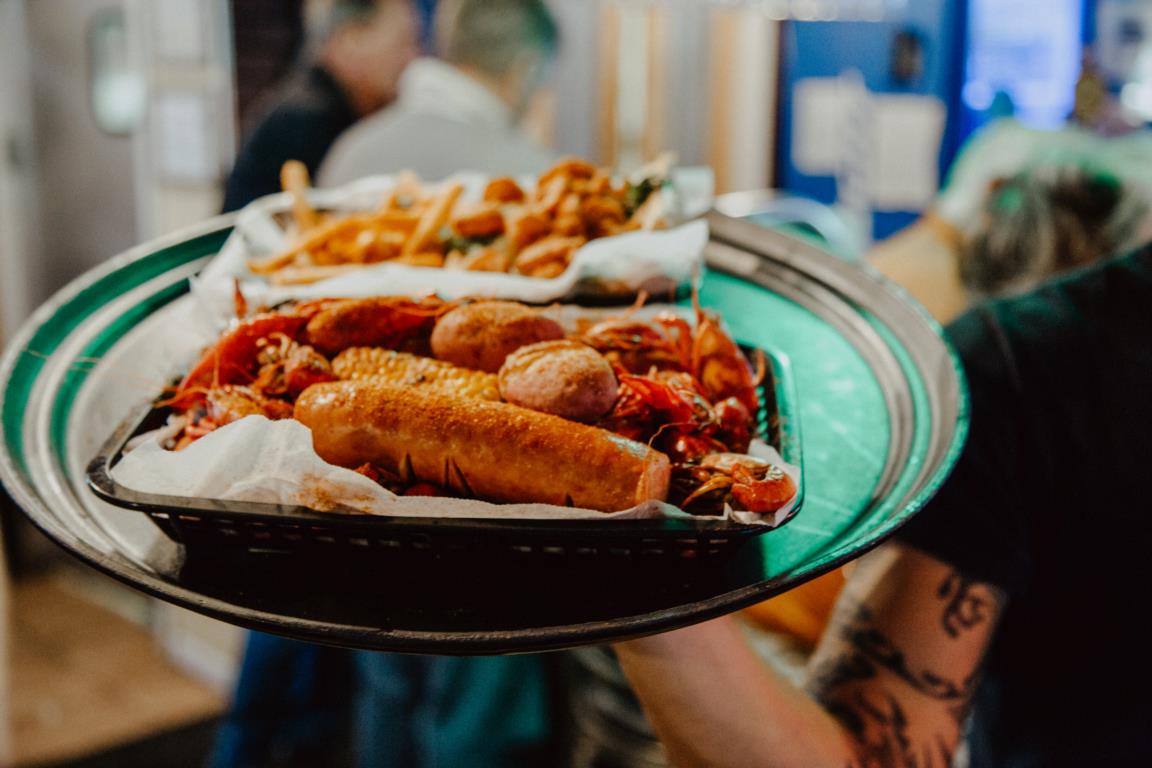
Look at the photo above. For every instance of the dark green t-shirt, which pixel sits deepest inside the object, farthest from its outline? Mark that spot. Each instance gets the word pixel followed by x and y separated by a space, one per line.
pixel 1050 501
pixel 301 122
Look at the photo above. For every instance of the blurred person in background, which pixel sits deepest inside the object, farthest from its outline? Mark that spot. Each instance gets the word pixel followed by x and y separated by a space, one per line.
pixel 1061 214
pixel 293 701
pixel 1048 220
pixel 408 711
pixel 355 51
pixel 456 113
pixel 973 241
pixel 1005 605
pixel 976 608
pixel 459 111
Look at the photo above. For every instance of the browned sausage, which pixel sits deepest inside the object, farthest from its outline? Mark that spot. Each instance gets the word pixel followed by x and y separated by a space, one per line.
pixel 493 451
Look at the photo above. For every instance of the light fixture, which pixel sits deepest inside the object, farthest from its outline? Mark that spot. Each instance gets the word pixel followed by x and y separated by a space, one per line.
pixel 796 10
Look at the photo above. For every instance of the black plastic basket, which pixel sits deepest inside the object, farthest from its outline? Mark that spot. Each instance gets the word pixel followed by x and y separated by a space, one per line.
pixel 274 527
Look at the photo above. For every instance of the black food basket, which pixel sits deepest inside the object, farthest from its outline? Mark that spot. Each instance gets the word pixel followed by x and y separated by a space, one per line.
pixel 257 526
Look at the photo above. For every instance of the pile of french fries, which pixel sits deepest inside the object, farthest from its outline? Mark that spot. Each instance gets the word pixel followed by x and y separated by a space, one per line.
pixel 512 230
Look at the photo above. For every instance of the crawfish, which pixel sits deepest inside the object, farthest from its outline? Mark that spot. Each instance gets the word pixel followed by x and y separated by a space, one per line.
pixel 664 342
pixel 234 359
pixel 328 325
pixel 219 406
pixel 279 354
pixel 719 364
pixel 287 367
pixel 383 321
pixel 740 481
pixel 669 342
pixel 666 410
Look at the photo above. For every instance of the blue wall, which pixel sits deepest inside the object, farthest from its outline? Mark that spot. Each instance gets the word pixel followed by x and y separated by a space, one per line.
pixel 826 49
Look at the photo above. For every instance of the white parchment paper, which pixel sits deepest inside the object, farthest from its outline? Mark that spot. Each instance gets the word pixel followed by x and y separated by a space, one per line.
pixel 256 459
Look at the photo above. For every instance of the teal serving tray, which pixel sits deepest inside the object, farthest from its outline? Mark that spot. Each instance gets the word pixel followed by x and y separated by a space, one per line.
pixel 878 392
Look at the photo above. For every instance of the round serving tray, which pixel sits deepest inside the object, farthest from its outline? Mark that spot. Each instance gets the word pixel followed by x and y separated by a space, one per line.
pixel 879 394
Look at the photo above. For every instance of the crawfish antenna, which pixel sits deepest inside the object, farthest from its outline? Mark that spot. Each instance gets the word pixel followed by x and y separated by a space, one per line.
pixel 699 310
pixel 238 299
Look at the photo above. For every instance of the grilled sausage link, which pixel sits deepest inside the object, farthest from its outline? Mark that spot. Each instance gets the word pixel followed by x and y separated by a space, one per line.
pixel 490 450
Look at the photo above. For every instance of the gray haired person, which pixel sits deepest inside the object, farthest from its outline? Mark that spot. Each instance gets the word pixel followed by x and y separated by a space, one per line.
pixel 460 111
pixel 1046 220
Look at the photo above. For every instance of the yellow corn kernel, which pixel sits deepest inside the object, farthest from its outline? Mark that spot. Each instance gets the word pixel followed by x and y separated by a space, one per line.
pixel 404 369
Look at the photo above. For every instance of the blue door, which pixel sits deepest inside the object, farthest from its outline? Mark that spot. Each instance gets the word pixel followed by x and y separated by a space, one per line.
pixel 918 50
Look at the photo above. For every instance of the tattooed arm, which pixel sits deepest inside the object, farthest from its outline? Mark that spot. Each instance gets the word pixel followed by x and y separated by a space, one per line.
pixel 889 684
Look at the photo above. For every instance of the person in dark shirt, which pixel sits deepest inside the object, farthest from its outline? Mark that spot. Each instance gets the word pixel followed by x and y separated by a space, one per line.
pixel 1017 595
pixel 355 53
pixel 292 703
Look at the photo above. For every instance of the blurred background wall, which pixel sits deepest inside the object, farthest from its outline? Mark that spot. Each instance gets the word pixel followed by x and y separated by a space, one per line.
pixel 119 120
pixel 122 116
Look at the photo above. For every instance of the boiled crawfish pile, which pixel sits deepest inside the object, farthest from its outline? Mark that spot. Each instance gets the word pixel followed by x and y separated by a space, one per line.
pixel 688 390
pixel 263 362
pixel 685 388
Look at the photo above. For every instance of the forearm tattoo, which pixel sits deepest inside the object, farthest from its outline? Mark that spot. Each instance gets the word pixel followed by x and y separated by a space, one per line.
pixel 965 608
pixel 869 649
pixel 880 726
pixel 876 720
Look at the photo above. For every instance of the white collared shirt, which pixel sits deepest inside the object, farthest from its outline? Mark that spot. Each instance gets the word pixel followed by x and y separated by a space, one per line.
pixel 442 122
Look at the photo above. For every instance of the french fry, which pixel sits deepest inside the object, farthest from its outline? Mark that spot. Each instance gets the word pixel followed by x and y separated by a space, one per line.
pixel 570 168
pixel 271 264
pixel 401 222
pixel 569 226
pixel 650 214
pixel 433 218
pixel 503 190
pixel 551 249
pixel 406 192
pixel 316 238
pixel 454 259
pixel 491 258
pixel 422 259
pixel 388 244
pixel 569 206
pixel 568 220
pixel 599 184
pixel 311 274
pixel 612 228
pixel 526 227
pixel 481 221
pixel 295 181
pixel 550 194
pixel 549 270
pixel 659 168
pixel 596 210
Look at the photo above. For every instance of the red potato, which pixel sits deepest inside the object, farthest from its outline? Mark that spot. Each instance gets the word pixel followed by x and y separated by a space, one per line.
pixel 481 335
pixel 565 378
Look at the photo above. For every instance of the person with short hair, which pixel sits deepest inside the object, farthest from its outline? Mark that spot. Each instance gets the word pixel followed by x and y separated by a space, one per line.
pixel 1047 220
pixel 354 53
pixel 456 113
pixel 292 701
pixel 459 112
pixel 1009 180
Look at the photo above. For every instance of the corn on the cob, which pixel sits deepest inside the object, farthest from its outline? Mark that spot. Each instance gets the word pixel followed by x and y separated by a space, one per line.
pixel 402 368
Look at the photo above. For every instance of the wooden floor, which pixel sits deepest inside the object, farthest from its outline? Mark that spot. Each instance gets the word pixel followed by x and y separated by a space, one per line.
pixel 84 679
